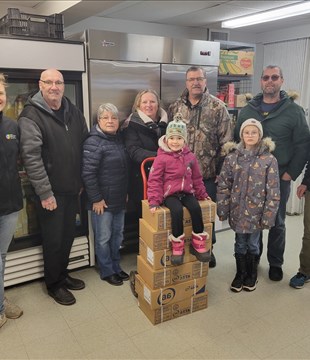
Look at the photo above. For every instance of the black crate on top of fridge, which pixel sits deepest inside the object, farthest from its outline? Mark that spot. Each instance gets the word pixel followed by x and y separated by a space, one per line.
pixel 31 25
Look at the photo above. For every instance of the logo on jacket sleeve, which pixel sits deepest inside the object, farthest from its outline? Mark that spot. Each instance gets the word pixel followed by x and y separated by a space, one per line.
pixel 10 136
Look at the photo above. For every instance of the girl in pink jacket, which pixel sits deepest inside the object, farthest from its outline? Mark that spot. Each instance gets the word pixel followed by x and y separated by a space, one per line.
pixel 175 181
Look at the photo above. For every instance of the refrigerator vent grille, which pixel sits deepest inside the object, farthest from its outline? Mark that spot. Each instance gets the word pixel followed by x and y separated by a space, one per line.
pixel 218 35
pixel 26 265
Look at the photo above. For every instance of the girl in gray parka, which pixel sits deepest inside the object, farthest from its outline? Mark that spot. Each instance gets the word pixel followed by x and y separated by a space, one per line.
pixel 248 195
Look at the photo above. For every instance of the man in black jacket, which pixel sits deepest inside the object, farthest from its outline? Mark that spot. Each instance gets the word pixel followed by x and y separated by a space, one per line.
pixel 11 197
pixel 52 134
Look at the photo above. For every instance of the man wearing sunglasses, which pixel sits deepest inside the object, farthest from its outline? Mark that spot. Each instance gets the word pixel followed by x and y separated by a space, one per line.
pixel 284 121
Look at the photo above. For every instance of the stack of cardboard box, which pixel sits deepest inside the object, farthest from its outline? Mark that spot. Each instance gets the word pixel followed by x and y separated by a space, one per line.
pixel 165 291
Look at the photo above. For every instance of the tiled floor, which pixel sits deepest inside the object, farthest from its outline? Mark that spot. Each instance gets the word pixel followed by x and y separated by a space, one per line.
pixel 273 322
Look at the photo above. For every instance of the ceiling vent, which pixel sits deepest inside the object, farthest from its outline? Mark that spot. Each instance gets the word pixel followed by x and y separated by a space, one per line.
pixel 218 35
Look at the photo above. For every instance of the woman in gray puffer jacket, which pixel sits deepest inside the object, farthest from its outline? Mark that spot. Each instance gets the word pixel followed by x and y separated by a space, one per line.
pixel 248 195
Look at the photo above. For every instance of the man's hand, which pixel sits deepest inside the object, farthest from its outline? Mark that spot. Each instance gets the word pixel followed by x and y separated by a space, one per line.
pixel 286 177
pixel 301 190
pixel 99 207
pixel 49 203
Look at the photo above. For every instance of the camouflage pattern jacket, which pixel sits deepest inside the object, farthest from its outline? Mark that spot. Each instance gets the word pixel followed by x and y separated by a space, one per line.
pixel 209 127
pixel 248 191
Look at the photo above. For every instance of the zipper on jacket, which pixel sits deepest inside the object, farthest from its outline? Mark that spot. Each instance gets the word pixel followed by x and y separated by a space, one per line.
pixel 182 184
pixel 198 124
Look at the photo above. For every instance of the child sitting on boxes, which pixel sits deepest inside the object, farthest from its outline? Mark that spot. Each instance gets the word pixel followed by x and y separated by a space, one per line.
pixel 175 181
pixel 248 194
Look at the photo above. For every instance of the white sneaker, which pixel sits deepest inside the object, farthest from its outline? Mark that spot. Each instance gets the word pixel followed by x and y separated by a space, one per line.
pixel 2 319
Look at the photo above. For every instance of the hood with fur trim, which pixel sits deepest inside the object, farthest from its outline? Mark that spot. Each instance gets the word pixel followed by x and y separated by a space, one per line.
pixel 265 145
pixel 291 94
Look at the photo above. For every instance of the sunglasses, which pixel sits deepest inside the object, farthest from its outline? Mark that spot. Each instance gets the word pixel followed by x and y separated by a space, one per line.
pixel 272 77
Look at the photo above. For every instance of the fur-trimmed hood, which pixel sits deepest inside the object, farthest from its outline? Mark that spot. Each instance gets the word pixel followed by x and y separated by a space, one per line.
pixel 292 94
pixel 142 118
pixel 265 145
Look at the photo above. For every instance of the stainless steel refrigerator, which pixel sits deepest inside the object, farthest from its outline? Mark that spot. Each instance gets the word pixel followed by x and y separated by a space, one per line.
pixel 119 65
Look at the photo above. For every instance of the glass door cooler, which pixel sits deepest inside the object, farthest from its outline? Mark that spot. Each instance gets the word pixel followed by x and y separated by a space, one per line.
pixel 25 259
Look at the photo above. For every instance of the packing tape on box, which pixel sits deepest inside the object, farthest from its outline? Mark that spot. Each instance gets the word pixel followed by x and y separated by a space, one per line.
pixel 161 306
pixel 165 216
pixel 164 276
pixel 162 313
pixel 168 241
pixel 210 213
pixel 201 269
pixel 194 288
pixel 165 258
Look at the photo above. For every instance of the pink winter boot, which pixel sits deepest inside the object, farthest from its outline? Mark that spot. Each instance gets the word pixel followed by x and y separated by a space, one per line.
pixel 198 247
pixel 177 246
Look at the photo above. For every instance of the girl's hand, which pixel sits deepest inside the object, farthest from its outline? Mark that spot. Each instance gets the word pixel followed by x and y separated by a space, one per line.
pixel 153 209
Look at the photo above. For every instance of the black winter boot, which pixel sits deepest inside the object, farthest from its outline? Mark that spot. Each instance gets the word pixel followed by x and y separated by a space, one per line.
pixel 250 281
pixel 237 283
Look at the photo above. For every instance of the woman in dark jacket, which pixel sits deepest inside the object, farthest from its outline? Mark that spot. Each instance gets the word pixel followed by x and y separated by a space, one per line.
pixel 11 198
pixel 105 176
pixel 142 130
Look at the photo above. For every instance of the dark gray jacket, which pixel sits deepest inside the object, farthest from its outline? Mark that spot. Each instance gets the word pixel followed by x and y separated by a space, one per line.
pixel 52 149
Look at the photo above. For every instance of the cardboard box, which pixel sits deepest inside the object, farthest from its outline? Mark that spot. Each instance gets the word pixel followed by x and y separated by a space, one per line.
pixel 170 275
pixel 236 62
pixel 158 239
pixel 162 258
pixel 173 311
pixel 161 220
pixel 240 100
pixel 156 298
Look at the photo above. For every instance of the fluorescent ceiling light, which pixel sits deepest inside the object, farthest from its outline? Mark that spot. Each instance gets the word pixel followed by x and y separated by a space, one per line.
pixel 272 15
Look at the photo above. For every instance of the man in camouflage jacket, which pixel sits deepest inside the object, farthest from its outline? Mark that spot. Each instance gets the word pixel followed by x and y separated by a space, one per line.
pixel 209 127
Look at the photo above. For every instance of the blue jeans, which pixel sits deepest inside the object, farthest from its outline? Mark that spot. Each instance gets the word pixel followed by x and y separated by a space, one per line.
pixel 276 235
pixel 108 231
pixel 247 243
pixel 7 228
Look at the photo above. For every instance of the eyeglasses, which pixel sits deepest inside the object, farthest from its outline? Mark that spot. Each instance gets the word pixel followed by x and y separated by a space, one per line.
pixel 250 133
pixel 51 83
pixel 108 119
pixel 199 79
pixel 272 77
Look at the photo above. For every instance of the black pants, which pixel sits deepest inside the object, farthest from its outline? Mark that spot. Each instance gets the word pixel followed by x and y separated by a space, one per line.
pixel 175 204
pixel 210 186
pixel 58 231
